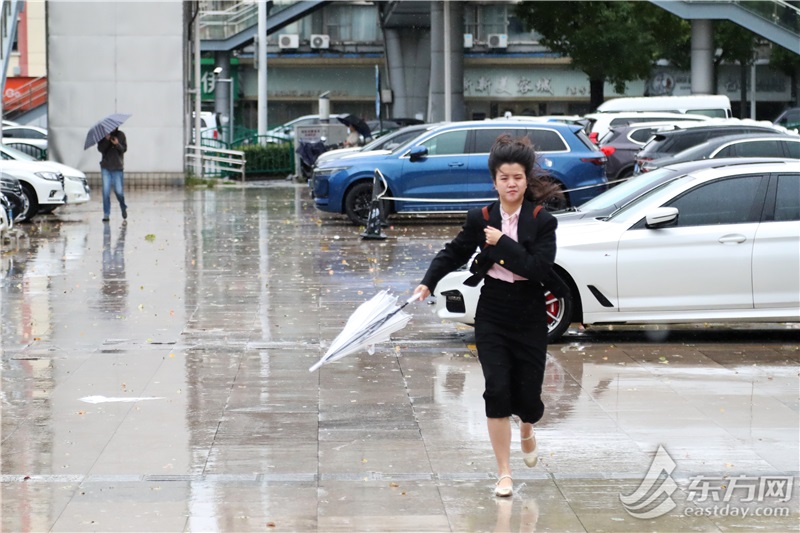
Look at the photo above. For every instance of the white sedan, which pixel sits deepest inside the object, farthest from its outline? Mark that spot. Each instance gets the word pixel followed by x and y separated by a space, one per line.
pixel 76 186
pixel 717 245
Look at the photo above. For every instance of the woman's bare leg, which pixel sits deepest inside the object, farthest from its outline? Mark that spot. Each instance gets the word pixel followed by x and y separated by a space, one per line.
pixel 500 435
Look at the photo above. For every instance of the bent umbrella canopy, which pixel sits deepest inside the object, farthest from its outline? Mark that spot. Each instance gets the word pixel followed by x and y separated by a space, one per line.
pixel 104 127
pixel 373 322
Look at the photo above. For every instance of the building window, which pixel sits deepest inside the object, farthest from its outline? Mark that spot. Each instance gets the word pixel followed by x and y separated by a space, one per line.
pixel 482 20
pixel 352 23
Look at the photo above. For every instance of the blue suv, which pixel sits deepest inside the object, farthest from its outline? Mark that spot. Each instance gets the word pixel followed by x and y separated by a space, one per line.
pixel 450 163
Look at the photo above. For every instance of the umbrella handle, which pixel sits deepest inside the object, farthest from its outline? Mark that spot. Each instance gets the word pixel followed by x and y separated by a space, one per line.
pixel 413 298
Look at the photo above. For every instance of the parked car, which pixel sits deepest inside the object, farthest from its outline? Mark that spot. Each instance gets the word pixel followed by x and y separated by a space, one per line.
pixel 575 120
pixel 285 132
pixel 450 162
pixel 210 126
pixel 617 197
pixel 6 220
pixel 747 145
pixel 667 143
pixel 76 185
pixel 387 142
pixel 599 123
pixel 789 119
pixel 622 143
pixel 42 187
pixel 711 105
pixel 11 188
pixel 26 136
pixel 716 245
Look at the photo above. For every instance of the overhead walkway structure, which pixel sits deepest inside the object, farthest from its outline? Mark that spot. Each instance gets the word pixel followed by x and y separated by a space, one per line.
pixel 236 26
pixel 776 20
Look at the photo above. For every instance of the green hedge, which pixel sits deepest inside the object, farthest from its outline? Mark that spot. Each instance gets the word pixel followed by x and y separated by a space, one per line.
pixel 270 158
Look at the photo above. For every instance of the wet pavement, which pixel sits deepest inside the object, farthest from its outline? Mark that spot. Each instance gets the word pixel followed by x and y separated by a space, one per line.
pixel 155 378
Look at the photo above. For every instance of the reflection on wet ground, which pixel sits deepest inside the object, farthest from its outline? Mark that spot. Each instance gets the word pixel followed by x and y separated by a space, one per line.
pixel 155 378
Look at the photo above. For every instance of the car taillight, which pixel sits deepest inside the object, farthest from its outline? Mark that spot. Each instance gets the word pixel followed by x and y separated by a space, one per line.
pixel 216 134
pixel 593 137
pixel 599 161
pixel 641 164
pixel 608 150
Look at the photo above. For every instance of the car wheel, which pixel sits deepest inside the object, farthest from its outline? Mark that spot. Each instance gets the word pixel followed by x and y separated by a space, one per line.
pixel 559 315
pixel 357 202
pixel 31 202
pixel 558 204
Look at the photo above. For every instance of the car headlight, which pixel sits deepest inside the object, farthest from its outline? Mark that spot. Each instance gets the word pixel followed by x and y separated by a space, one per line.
pixel 75 178
pixel 327 172
pixel 52 176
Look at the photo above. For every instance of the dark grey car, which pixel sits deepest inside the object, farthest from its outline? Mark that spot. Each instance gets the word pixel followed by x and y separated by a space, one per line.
pixel 734 146
pixel 668 143
pixel 622 143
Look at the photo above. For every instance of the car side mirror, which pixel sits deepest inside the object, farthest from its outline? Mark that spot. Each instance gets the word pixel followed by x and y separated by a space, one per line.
pixel 661 218
pixel 418 153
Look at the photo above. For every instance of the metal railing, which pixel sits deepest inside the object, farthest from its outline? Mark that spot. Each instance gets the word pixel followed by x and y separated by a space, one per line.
pixel 26 97
pixel 217 162
pixel 778 12
pixel 221 24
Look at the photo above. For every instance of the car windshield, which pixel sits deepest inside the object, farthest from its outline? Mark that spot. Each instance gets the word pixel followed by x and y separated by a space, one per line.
pixel 390 140
pixel 619 213
pixel 623 192
pixel 12 153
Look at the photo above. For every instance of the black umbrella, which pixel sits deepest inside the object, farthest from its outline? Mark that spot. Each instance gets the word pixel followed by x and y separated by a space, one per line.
pixel 104 127
pixel 360 126
pixel 309 152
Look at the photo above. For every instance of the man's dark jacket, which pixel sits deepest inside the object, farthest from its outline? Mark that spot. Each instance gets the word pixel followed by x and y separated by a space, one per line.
pixel 113 156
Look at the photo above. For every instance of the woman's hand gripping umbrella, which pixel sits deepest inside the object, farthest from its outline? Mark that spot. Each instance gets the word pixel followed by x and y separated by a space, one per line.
pixel 373 322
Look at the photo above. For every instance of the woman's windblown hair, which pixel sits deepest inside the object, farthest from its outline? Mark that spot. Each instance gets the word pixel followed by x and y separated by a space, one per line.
pixel 541 187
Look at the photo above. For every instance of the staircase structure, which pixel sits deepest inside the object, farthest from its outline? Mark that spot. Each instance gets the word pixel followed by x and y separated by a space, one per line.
pixel 777 21
pixel 235 27
pixel 25 97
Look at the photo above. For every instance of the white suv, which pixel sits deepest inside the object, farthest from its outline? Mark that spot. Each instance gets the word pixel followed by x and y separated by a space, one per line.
pixel 601 122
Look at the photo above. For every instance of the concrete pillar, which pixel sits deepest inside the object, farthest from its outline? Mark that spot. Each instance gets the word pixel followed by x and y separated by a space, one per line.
pixel 456 60
pixel 222 90
pixel 436 87
pixel 702 57
pixel 397 79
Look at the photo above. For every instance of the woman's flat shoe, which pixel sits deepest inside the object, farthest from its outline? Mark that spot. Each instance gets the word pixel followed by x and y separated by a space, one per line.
pixel 531 458
pixel 503 492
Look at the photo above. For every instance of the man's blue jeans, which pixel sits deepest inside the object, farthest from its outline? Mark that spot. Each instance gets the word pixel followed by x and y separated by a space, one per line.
pixel 112 178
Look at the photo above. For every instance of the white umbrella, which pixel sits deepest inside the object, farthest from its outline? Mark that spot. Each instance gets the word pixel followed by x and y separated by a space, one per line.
pixel 373 322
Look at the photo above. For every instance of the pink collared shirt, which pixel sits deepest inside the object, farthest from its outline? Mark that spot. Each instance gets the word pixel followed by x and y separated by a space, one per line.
pixel 509 228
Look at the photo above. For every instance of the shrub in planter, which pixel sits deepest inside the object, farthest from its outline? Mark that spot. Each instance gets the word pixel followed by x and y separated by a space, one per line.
pixel 271 158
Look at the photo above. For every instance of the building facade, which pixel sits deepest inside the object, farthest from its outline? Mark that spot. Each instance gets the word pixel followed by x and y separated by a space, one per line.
pixel 501 67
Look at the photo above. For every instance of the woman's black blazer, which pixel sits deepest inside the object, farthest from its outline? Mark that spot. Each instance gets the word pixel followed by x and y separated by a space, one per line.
pixel 531 256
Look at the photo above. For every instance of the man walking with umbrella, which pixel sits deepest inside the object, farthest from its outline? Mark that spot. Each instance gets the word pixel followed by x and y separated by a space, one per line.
pixel 113 147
